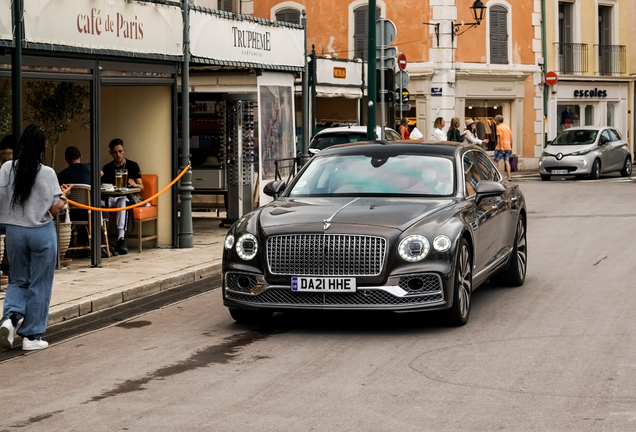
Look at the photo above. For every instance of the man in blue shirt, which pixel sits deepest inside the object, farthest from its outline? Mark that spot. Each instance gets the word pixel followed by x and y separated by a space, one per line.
pixel 77 172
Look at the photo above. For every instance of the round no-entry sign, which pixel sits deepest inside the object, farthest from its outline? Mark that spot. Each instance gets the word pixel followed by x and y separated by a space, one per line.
pixel 551 78
pixel 402 61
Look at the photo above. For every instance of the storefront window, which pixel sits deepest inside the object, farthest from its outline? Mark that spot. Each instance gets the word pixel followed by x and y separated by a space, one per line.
pixel 610 114
pixel 589 115
pixel 483 113
pixel 569 116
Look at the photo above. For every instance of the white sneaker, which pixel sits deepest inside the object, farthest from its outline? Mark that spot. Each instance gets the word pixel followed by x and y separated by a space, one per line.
pixel 32 345
pixel 6 334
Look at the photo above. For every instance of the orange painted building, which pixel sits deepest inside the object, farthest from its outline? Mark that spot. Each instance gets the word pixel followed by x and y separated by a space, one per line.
pixel 489 69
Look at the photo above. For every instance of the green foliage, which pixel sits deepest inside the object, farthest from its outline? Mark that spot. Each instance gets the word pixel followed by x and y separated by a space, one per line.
pixel 55 106
pixel 5 107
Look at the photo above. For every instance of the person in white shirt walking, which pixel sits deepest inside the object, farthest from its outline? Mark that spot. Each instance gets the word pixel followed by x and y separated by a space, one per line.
pixel 438 133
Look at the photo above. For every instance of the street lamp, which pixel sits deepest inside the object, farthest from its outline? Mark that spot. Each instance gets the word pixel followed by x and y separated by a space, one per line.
pixel 478 10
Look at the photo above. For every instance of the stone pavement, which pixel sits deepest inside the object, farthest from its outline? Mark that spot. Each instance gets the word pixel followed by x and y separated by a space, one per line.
pixel 80 289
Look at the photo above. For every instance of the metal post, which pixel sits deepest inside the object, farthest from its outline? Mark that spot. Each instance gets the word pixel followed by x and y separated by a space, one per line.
pixel 314 82
pixel 96 240
pixel 372 87
pixel 304 157
pixel 16 70
pixel 382 83
pixel 185 189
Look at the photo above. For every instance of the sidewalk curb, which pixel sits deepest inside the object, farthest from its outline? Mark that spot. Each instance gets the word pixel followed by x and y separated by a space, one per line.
pixel 112 297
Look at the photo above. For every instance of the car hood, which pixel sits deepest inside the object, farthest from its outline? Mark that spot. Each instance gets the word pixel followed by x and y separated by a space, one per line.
pixel 567 149
pixel 398 213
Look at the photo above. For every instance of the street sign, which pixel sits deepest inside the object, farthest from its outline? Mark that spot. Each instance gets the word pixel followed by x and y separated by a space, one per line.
pixel 389 52
pixel 389 63
pixel 402 78
pixel 390 32
pixel 405 107
pixel 551 78
pixel 402 61
pixel 405 96
pixel 436 91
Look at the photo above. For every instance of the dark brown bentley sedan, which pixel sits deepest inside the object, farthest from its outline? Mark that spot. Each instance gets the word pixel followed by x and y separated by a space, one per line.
pixel 379 226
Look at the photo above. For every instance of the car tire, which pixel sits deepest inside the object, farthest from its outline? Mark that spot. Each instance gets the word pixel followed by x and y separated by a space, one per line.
pixel 627 168
pixel 459 312
pixel 515 273
pixel 596 170
pixel 545 177
pixel 244 316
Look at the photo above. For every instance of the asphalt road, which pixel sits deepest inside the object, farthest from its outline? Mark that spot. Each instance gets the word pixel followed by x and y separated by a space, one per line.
pixel 557 354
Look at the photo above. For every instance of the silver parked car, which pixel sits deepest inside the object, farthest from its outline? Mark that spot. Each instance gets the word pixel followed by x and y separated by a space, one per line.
pixel 586 151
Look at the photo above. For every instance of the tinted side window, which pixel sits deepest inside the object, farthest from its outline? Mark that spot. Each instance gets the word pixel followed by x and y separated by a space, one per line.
pixel 472 174
pixel 614 135
pixel 487 168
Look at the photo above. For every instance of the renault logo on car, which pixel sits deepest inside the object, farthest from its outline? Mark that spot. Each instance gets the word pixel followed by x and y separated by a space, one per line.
pixel 559 156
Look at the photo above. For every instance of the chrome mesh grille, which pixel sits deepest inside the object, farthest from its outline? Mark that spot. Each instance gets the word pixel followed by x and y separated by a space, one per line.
pixel 326 255
pixel 232 281
pixel 286 297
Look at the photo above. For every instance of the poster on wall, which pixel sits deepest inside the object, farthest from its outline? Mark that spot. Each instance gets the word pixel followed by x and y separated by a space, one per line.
pixel 5 22
pixel 135 27
pixel 276 126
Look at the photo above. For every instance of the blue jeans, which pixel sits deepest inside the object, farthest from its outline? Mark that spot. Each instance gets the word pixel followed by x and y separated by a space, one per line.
pixel 32 254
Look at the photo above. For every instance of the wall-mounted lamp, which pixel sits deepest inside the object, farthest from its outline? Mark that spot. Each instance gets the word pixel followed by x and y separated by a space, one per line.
pixel 478 11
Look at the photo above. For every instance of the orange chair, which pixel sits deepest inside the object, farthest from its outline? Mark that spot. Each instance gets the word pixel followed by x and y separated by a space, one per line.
pixel 148 213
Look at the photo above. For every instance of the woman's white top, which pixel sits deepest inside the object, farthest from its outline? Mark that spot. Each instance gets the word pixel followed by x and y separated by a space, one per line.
pixel 439 135
pixel 472 138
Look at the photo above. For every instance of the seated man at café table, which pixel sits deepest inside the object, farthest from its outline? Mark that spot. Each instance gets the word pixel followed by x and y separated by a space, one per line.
pixel 119 162
pixel 76 172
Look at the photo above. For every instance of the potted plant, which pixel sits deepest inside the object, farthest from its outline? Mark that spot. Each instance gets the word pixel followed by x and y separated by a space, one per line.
pixel 55 106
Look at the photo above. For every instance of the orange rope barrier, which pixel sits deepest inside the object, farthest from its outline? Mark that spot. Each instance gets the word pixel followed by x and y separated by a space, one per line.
pixel 134 205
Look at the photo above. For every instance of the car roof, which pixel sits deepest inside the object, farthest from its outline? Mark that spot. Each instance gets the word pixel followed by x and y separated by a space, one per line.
pixel 356 129
pixel 442 148
pixel 588 128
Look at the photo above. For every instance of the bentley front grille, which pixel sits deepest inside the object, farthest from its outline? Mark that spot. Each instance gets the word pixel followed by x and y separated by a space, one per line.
pixel 326 255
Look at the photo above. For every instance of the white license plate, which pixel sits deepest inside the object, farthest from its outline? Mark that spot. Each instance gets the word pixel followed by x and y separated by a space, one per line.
pixel 560 171
pixel 321 284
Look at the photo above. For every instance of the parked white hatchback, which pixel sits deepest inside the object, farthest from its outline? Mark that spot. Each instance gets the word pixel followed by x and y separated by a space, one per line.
pixel 586 152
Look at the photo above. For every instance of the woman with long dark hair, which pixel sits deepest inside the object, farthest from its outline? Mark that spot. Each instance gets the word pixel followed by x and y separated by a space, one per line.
pixel 453 133
pixel 29 199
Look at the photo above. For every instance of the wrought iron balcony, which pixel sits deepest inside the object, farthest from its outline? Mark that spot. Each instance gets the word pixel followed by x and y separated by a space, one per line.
pixel 572 57
pixel 612 59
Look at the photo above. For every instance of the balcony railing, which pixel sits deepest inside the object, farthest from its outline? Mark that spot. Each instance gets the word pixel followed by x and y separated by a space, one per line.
pixel 572 57
pixel 611 59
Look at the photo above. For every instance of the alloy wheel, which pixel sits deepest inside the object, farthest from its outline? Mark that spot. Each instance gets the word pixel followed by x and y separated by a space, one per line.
pixel 464 281
pixel 628 166
pixel 522 251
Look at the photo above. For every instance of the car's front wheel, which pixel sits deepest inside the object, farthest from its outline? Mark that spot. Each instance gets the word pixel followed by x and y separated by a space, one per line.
pixel 596 170
pixel 244 316
pixel 458 314
pixel 515 273
pixel 627 167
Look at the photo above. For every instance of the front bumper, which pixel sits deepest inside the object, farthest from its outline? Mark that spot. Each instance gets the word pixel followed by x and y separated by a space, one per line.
pixel 573 164
pixel 250 291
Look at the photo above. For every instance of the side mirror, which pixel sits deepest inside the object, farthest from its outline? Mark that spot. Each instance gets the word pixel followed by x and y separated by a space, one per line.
pixel 548 143
pixel 487 188
pixel 604 140
pixel 274 189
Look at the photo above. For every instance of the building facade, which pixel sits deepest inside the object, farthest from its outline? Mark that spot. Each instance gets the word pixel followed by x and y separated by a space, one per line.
pixel 472 72
pixel 588 46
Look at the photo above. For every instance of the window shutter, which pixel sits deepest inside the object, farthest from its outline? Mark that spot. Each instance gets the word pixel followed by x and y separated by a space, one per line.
pixel 498 35
pixel 226 5
pixel 360 31
pixel 288 15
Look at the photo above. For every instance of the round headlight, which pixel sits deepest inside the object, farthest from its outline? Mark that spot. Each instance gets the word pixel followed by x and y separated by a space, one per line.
pixel 441 243
pixel 247 246
pixel 229 241
pixel 414 248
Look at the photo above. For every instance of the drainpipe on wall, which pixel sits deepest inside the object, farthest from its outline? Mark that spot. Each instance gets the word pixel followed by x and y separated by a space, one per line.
pixel 544 53
pixel 304 157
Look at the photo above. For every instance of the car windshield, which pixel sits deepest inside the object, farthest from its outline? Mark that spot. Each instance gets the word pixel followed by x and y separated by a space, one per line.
pixel 576 137
pixel 360 175
pixel 331 139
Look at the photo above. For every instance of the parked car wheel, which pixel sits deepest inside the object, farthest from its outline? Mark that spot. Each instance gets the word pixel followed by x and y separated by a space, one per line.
pixel 596 170
pixel 627 168
pixel 459 313
pixel 515 273
pixel 545 177
pixel 245 316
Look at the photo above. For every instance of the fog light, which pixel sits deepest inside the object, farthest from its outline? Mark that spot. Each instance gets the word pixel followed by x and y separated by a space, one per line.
pixel 244 282
pixel 415 284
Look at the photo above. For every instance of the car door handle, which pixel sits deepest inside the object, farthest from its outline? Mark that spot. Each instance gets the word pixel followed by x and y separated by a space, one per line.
pixel 514 198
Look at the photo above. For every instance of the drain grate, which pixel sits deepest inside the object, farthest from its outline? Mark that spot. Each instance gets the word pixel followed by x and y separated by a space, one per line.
pixel 97 320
